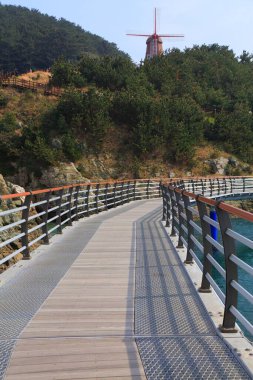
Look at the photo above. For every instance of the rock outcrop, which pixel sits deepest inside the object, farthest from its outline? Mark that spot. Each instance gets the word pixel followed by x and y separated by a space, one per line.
pixel 63 174
pixel 10 188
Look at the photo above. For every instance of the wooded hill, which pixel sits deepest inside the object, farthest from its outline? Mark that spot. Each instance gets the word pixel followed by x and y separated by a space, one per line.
pixel 166 108
pixel 32 40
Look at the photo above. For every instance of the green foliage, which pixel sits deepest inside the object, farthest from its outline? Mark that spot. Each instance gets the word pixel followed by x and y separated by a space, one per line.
pixel 235 131
pixel 10 144
pixel 3 100
pixel 71 147
pixel 169 104
pixel 32 40
pixel 66 74
pixel 80 118
pixel 8 123
pixel 36 149
pixel 107 72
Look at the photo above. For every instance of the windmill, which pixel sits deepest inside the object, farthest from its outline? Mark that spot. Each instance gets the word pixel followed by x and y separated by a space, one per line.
pixel 154 41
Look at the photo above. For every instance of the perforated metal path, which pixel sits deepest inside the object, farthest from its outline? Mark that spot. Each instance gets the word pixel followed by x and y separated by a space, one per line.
pixel 22 296
pixel 175 335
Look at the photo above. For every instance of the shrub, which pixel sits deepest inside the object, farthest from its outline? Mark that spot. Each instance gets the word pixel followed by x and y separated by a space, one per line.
pixel 3 100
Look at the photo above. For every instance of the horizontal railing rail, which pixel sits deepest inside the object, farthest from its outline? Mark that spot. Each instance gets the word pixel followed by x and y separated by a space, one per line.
pixel 206 227
pixel 32 217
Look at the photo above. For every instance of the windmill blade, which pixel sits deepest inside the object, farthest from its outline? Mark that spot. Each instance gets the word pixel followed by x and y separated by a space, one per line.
pixel 171 35
pixel 155 21
pixel 140 35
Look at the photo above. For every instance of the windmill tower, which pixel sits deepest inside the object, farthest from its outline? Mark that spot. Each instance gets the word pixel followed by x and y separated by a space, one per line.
pixel 154 41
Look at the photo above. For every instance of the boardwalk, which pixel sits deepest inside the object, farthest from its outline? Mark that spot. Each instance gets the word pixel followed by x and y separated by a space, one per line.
pixel 109 299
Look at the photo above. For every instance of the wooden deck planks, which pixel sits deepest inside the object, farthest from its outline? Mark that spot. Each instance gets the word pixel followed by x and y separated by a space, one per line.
pixel 85 328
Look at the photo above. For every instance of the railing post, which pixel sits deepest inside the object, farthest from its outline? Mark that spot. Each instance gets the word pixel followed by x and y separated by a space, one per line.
pixel 190 244
pixel 243 184
pixel 106 196
pixel 159 189
pixel 58 220
pixel 134 190
pixel 193 186
pixel 202 186
pixel 128 191
pixel 231 185
pixel 45 218
pixel 114 194
pixel 225 186
pixel 164 204
pixel 211 186
pixel 218 181
pixel 173 212
pixel 121 194
pixel 147 190
pixel 87 206
pixel 207 248
pixel 97 197
pixel 69 206
pixel 229 320
pixel 24 227
pixel 168 206
pixel 77 189
pixel 180 219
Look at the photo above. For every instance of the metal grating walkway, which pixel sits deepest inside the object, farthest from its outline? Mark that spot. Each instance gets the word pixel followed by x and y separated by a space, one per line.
pixel 175 335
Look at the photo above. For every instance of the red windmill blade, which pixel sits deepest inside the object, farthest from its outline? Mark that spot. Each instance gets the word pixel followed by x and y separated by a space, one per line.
pixel 154 41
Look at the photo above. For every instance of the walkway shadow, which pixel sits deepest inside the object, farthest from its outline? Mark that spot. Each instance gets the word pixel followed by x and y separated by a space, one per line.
pixel 174 333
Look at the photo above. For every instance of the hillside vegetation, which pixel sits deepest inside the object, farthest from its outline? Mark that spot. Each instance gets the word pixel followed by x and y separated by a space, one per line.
pixel 169 111
pixel 32 40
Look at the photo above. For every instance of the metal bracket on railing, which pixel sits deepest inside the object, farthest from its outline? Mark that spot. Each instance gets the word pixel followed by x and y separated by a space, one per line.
pixel 24 227
pixel 229 319
pixel 207 247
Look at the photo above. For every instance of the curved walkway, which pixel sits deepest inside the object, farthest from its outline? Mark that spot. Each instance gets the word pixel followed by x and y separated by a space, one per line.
pixel 109 299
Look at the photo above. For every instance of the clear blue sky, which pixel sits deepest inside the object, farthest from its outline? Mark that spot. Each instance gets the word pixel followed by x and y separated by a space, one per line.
pixel 226 22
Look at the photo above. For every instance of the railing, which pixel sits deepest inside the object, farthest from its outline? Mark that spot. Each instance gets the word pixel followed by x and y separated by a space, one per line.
pixel 30 85
pixel 32 217
pixel 186 209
